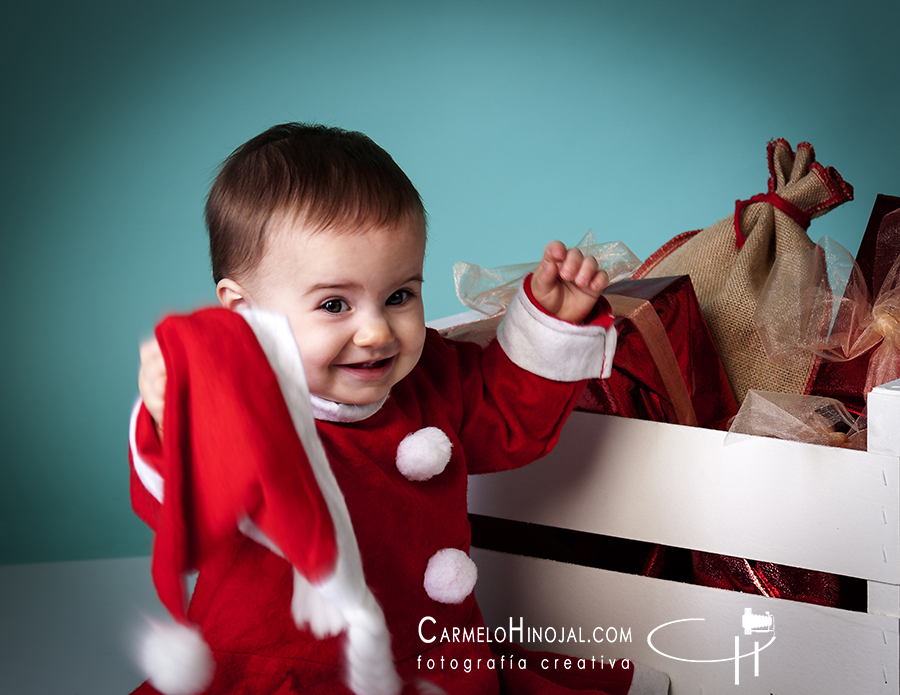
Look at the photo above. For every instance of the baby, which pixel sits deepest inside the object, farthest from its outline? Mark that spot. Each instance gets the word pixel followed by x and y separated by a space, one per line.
pixel 322 226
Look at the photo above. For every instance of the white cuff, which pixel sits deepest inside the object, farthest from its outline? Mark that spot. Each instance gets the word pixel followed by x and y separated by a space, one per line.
pixel 552 348
pixel 148 476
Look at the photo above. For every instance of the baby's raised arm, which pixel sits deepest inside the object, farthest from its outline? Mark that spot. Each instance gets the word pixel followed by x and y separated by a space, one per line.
pixel 567 283
pixel 152 381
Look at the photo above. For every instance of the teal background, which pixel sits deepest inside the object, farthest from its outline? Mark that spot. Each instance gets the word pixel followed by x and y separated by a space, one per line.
pixel 518 121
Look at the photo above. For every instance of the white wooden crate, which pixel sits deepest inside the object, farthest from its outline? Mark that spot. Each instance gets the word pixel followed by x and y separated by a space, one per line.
pixel 801 505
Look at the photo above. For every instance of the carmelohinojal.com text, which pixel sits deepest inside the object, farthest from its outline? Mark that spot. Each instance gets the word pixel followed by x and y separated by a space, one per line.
pixel 429 633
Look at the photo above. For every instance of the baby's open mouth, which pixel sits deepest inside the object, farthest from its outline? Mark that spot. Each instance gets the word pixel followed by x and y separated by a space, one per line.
pixel 374 365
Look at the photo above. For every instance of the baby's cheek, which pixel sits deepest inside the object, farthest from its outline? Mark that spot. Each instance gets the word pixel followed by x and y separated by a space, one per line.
pixel 407 362
pixel 317 368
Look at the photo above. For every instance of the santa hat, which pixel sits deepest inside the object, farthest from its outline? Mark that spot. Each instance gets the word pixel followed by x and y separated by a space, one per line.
pixel 241 453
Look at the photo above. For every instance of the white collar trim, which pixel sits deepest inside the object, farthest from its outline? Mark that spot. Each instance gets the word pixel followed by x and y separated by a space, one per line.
pixel 330 411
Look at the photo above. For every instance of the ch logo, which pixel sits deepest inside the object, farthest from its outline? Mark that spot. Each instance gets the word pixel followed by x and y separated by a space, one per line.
pixel 750 622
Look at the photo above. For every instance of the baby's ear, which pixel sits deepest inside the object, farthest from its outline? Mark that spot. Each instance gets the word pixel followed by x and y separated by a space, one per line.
pixel 231 295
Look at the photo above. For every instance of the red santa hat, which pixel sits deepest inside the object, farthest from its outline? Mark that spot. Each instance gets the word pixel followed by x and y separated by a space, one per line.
pixel 241 454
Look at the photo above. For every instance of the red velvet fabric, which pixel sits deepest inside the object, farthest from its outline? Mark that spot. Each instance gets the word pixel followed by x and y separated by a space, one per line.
pixel 247 459
pixel 497 416
pixel 635 388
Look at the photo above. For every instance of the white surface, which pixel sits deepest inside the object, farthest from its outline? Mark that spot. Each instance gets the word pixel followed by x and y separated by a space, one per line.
pixel 883 599
pixel 815 507
pixel 816 651
pixel 455 320
pixel 68 627
pixel 884 418
pixel 807 506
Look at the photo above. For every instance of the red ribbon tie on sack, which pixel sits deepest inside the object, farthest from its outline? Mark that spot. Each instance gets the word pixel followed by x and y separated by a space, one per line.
pixel 771 197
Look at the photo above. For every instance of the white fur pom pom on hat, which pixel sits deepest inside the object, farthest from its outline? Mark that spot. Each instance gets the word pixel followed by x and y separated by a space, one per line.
pixel 450 576
pixel 423 454
pixel 175 659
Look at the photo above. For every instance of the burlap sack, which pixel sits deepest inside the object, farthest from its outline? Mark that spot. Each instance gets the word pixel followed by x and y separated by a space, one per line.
pixel 729 264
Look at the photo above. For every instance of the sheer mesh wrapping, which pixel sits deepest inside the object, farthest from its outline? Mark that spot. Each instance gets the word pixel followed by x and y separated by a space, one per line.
pixel 878 250
pixel 730 262
pixel 810 419
pixel 490 290
pixel 817 303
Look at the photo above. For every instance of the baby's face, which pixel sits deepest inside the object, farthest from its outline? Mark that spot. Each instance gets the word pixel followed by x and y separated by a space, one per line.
pixel 354 302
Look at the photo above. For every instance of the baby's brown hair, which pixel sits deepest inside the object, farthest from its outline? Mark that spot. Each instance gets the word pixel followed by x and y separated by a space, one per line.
pixel 331 179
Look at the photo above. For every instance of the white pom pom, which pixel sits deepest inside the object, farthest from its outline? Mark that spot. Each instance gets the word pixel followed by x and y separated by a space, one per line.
pixel 175 659
pixel 450 576
pixel 423 454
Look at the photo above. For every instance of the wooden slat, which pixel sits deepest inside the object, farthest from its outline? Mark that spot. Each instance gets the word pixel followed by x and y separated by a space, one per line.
pixel 816 650
pixel 814 507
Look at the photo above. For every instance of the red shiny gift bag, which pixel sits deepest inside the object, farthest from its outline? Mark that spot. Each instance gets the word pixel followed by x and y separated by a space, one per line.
pixel 657 368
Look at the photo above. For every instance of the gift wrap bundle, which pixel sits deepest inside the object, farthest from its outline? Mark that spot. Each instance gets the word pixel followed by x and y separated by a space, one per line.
pixel 666 366
pixel 746 324
pixel 731 262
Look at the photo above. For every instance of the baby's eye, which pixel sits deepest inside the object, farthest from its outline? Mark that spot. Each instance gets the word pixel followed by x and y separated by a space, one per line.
pixel 399 297
pixel 335 306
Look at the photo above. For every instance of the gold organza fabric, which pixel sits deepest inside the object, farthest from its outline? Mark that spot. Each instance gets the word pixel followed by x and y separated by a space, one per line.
pixel 799 418
pixel 836 318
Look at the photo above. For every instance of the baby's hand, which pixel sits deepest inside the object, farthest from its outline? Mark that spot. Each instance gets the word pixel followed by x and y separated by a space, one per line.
pixel 152 381
pixel 567 283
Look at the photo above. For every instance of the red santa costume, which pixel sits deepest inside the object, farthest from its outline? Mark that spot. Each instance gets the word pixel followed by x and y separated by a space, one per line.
pixel 402 467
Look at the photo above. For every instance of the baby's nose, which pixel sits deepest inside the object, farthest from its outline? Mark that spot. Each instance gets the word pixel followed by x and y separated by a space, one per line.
pixel 374 332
